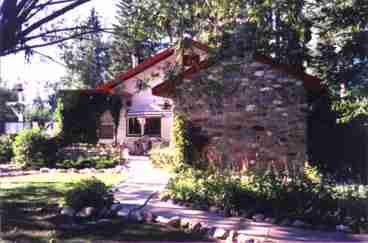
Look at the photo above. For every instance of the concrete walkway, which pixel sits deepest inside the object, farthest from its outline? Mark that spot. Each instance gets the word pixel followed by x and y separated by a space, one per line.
pixel 143 180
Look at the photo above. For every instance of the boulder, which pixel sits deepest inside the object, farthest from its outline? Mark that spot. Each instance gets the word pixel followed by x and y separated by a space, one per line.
pixel 195 227
pixel 244 239
pixel 87 212
pixel 184 223
pixel 258 217
pixel 67 211
pixel 174 221
pixel 123 212
pixel 45 170
pixel 220 234
pixel 162 220
pixel 148 216
pixel 343 228
pixel 232 236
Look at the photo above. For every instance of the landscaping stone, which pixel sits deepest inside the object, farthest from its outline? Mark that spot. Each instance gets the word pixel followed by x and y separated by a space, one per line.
pixel 174 221
pixel 105 221
pixel 162 220
pixel 300 224
pixel 285 222
pixel 67 211
pixel 87 212
pixel 45 170
pixel 123 212
pixel 214 209
pixel 244 239
pixel 184 223
pixel 270 220
pixel 258 217
pixel 220 234
pixel 343 228
pixel 148 216
pixel 195 227
pixel 232 236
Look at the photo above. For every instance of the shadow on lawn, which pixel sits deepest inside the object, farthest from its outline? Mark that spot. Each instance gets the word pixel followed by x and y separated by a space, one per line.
pixel 29 213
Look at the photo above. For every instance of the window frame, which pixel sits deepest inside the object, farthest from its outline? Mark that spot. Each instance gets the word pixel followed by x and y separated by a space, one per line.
pixel 127 128
pixel 152 135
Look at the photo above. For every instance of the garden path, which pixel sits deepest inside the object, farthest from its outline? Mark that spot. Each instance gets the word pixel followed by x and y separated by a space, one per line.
pixel 143 179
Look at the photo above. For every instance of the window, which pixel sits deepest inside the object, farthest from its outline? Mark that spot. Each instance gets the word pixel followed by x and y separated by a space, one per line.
pixel 134 127
pixel 153 126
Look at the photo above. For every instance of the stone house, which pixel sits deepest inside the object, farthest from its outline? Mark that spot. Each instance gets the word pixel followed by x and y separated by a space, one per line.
pixel 253 111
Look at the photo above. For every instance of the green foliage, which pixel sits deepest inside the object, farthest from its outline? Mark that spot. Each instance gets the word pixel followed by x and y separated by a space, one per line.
pixel 89 193
pixel 79 114
pixel 83 161
pixel 163 157
pixel 88 59
pixel 272 194
pixel 6 150
pixel 181 140
pixel 5 112
pixel 340 58
pixel 33 148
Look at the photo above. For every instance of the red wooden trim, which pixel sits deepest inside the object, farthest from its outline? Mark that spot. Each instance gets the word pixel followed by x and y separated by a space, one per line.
pixel 138 69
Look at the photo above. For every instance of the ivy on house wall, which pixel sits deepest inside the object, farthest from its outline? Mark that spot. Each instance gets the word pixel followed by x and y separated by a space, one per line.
pixel 78 114
pixel 181 140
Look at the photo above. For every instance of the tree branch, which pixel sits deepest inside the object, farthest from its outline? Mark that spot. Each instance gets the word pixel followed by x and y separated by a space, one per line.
pixel 27 47
pixel 53 16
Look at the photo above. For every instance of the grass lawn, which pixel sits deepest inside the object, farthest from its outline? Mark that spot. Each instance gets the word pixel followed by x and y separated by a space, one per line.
pixel 30 207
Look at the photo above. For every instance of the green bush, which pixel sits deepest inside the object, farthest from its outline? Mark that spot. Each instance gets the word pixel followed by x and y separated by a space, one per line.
pixel 6 150
pixel 34 149
pixel 89 193
pixel 163 157
pixel 84 161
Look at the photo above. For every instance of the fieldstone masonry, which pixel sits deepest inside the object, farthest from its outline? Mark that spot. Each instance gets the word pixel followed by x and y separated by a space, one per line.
pixel 253 115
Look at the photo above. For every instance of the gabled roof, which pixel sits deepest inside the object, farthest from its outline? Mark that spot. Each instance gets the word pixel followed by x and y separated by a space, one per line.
pixel 149 62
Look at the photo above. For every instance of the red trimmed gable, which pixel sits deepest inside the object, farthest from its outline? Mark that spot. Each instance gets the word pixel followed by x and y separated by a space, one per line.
pixel 145 65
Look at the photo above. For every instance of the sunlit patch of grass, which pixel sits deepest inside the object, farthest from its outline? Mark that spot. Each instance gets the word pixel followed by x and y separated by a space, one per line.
pixel 47 187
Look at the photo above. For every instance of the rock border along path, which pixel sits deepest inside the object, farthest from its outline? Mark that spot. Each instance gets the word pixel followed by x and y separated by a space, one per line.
pixel 144 180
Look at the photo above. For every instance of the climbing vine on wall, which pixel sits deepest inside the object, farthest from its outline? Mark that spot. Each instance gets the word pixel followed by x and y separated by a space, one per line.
pixel 181 139
pixel 78 114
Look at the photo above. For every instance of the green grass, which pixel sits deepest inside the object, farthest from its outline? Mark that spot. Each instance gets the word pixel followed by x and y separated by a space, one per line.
pixel 47 187
pixel 29 206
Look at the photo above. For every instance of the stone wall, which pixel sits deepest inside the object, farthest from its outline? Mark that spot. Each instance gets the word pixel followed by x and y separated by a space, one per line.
pixel 254 115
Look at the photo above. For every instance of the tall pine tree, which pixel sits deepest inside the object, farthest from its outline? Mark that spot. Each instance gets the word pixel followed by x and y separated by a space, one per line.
pixel 88 58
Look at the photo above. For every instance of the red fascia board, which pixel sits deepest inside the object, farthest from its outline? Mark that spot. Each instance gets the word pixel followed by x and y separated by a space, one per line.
pixel 138 69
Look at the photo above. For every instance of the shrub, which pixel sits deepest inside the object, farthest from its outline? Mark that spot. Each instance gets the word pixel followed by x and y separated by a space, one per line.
pixel 33 148
pixel 84 161
pixel 6 150
pixel 89 193
pixel 163 157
